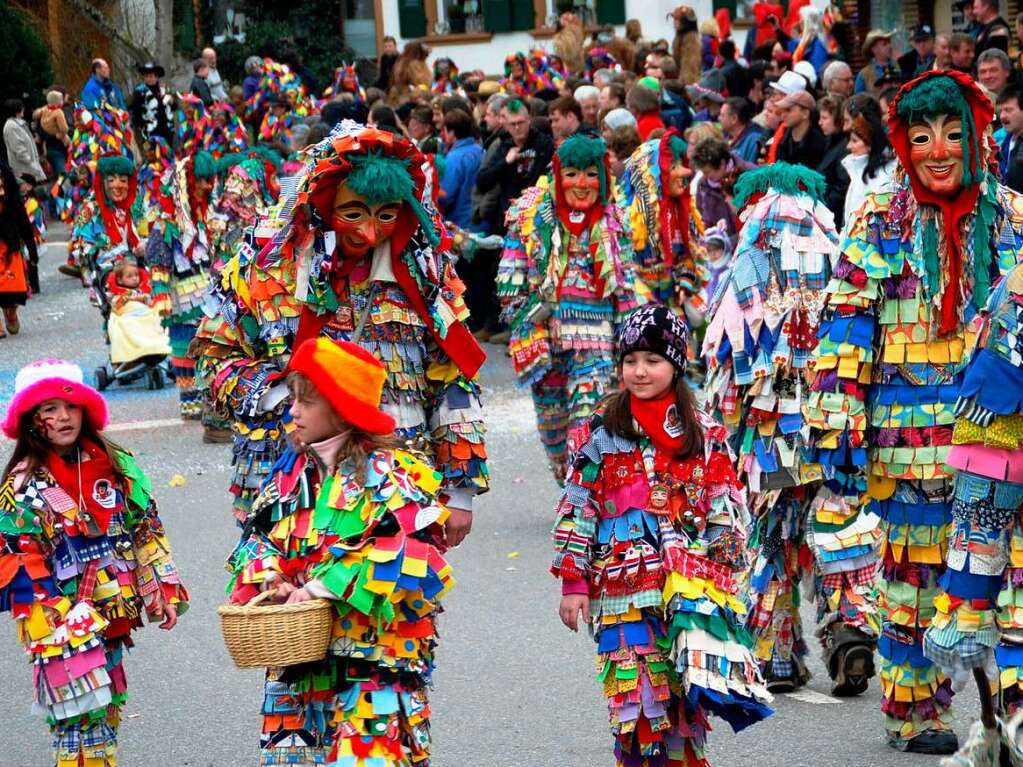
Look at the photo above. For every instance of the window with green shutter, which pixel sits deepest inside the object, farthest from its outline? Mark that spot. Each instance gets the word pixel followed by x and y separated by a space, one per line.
pixel 412 18
pixel 523 15
pixel 497 16
pixel 729 4
pixel 611 11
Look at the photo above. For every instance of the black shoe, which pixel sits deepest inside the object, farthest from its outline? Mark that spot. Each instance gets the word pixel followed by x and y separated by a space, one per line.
pixel 935 742
pixel 69 270
pixel 855 664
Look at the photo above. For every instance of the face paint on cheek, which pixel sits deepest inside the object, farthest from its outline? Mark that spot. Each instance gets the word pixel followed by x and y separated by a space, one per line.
pixel 46 425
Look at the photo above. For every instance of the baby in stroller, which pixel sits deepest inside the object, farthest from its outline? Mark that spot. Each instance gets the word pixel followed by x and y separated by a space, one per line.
pixel 139 343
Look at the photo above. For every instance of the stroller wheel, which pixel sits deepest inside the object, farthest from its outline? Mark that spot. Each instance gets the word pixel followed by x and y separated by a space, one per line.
pixel 102 379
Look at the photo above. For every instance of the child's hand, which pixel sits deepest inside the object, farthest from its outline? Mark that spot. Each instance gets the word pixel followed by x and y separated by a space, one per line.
pixel 298 595
pixel 571 605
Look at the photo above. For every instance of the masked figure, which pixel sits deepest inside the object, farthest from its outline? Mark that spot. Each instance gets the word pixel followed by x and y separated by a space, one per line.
pixel 914 270
pixel 758 345
pixel 445 77
pixel 158 159
pixel 361 256
pixel 104 229
pixel 663 224
pixel 566 282
pixel 178 254
pixel 519 78
pixel 249 189
pixel 548 68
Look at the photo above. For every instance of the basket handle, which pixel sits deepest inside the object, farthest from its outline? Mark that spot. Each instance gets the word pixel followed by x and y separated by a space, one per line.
pixel 261 597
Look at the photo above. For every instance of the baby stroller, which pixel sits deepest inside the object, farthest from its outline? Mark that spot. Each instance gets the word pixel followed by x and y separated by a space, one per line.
pixel 139 347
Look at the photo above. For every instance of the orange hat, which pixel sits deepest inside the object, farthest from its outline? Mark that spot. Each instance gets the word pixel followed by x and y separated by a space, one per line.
pixel 348 377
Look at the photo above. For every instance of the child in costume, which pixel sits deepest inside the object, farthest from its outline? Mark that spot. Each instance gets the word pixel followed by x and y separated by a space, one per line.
pixel 565 280
pixel 761 334
pixel 346 516
pixel 360 255
pixel 663 225
pixel 83 556
pixel 915 267
pixel 651 549
pixel 178 254
pixel 134 326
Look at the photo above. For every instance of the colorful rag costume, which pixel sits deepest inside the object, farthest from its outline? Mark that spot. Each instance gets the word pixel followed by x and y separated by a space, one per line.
pixel 658 544
pixel 248 191
pixel 662 223
pixel 915 268
pixel 401 301
pixel 83 555
pixel 158 160
pixel 179 255
pixel 759 342
pixel 446 79
pixel 104 231
pixel 549 69
pixel 371 546
pixel 566 282
pixel 521 84
pixel 278 80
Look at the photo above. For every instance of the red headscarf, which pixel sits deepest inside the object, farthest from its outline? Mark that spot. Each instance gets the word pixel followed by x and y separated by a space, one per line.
pixel 955 209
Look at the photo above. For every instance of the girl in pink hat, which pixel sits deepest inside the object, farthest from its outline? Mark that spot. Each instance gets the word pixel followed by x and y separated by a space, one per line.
pixel 83 556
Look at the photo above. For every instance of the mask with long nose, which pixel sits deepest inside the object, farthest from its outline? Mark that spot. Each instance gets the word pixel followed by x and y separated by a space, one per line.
pixel 360 226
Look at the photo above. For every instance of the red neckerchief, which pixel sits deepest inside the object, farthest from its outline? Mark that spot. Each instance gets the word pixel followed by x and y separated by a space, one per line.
pixel 653 414
pixel 90 481
pixel 116 229
pixel 664 163
pixel 952 211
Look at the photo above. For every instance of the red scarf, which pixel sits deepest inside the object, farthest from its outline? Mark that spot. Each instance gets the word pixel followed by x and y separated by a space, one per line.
pixel 658 419
pixel 90 481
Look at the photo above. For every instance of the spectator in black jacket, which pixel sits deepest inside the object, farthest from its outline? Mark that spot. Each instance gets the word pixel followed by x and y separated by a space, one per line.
pixel 520 160
pixel 829 110
pixel 1010 114
pixel 199 85
pixel 803 142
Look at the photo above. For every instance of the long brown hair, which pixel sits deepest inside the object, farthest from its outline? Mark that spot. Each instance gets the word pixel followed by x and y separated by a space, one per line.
pixel 33 448
pixel 618 419
pixel 359 444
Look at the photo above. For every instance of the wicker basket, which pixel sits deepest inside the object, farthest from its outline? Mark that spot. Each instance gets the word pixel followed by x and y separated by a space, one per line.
pixel 276 635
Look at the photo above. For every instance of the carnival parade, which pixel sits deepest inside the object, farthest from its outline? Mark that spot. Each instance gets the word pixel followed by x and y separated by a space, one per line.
pixel 366 391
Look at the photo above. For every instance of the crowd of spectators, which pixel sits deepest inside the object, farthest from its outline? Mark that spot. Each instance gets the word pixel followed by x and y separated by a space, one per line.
pixel 789 95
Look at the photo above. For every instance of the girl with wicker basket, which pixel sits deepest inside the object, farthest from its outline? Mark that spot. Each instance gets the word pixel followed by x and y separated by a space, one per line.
pixel 83 556
pixel 348 518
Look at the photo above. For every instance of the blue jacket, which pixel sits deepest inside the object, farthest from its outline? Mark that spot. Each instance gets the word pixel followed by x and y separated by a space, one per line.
pixel 463 163
pixel 97 91
pixel 747 146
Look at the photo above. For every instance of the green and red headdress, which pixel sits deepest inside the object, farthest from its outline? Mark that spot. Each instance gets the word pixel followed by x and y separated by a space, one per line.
pixel 947 92
pixel 382 168
pixel 116 216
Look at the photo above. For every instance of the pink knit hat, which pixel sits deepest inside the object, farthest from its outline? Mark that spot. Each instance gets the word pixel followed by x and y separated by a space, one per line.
pixel 52 379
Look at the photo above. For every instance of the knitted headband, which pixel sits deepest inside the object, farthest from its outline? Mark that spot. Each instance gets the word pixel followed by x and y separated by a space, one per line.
pixel 654 328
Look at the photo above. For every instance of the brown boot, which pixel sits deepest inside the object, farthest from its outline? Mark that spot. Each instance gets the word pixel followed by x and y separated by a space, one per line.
pixel 213 435
pixel 11 318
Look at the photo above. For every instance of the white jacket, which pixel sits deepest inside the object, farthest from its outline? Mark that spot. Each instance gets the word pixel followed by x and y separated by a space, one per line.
pixel 858 188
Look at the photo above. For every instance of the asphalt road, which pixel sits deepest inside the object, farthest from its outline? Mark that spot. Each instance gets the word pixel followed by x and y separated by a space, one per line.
pixel 513 688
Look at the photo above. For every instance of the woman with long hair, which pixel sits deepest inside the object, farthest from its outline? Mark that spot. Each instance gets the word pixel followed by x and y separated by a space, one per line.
pixel 870 163
pixel 17 238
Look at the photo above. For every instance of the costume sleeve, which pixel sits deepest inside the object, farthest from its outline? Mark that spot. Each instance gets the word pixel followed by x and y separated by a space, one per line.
pixel 455 417
pixel 578 511
pixel 155 573
pixel 25 575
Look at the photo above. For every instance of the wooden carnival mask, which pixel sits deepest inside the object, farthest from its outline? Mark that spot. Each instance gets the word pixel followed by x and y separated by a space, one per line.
pixel 359 225
pixel 936 152
pixel 581 186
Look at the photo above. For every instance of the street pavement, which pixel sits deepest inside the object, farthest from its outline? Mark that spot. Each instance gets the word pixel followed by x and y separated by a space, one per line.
pixel 513 688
